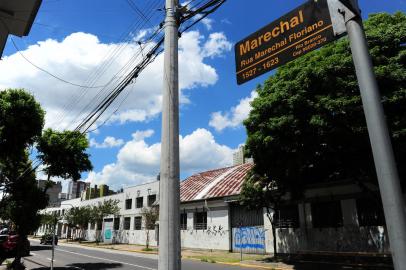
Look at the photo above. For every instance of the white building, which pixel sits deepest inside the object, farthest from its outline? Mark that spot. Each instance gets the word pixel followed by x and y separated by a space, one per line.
pixel 212 218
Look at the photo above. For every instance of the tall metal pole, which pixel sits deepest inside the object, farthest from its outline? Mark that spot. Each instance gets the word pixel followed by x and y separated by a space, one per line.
pixel 169 202
pixel 388 178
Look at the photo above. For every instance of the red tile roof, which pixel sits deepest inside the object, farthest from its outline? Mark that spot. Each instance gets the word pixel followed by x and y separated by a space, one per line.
pixel 216 183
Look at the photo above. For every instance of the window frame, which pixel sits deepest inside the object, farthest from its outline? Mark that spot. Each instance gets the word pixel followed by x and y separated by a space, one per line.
pixel 183 221
pixel 138 228
pixel 200 225
pixel 137 200
pixel 323 214
pixel 125 223
pixel 128 204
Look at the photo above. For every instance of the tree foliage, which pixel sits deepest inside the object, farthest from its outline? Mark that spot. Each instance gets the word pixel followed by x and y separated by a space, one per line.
pixel 150 216
pixel 307 124
pixel 79 217
pixel 64 153
pixel 21 122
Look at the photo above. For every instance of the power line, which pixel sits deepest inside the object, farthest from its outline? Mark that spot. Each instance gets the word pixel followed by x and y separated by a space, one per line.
pixel 49 73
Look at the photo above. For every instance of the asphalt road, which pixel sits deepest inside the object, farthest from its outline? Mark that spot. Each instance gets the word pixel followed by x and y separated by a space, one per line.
pixel 82 258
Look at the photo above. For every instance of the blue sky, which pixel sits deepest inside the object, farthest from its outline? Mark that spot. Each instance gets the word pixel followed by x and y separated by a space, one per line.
pixel 72 39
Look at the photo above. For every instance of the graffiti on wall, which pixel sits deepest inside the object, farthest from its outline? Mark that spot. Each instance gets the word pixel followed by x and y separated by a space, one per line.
pixel 249 238
pixel 211 230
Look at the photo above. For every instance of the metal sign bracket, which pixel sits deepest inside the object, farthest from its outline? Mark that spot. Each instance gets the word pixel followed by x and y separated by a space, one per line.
pixel 340 15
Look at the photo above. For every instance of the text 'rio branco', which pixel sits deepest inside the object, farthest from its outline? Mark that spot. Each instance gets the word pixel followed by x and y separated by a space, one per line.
pixel 302 30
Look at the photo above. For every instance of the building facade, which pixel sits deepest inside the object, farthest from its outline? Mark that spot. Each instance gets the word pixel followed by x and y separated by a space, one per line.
pixel 75 189
pixel 211 217
pixel 53 191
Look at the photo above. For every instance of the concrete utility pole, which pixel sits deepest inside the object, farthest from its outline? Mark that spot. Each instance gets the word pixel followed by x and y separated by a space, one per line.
pixel 388 178
pixel 169 202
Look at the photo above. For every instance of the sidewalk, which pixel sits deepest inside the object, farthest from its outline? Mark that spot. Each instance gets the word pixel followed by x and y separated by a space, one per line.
pixel 299 261
pixel 210 256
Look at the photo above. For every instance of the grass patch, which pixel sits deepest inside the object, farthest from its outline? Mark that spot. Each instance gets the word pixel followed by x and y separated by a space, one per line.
pixel 147 249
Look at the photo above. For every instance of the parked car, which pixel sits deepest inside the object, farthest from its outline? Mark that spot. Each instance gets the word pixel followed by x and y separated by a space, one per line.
pixel 8 245
pixel 46 239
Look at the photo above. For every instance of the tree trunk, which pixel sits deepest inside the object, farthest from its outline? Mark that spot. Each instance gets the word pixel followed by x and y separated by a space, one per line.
pixel 16 264
pixel 273 224
pixel 147 243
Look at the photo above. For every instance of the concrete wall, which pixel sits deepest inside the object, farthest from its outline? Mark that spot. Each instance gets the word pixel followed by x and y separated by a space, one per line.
pixel 216 236
pixel 349 237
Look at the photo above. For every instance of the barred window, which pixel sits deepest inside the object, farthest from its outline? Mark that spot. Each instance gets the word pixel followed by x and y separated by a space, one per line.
pixel 128 204
pixel 116 223
pixel 151 199
pixel 140 202
pixel 137 223
pixel 183 221
pixel 200 220
pixel 370 212
pixel 327 214
pixel 287 216
pixel 127 223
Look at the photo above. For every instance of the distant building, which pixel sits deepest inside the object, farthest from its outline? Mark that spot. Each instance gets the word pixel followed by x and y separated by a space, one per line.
pixel 75 189
pixel 53 192
pixel 238 157
pixel 103 190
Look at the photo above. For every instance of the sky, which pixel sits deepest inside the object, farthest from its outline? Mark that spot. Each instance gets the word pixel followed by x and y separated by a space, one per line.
pixel 87 43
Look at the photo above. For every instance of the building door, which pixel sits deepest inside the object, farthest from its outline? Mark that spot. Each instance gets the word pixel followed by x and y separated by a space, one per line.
pixel 108 231
pixel 248 233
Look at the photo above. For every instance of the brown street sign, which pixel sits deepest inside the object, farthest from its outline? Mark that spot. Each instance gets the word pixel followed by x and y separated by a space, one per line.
pixel 302 30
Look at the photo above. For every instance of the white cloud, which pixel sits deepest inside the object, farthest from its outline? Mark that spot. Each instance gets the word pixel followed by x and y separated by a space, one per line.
pixel 77 59
pixel 216 45
pixel 109 142
pixel 138 161
pixel 234 117
pixel 208 23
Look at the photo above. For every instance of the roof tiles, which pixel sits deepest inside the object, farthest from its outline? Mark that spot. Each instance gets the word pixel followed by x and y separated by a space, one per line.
pixel 225 181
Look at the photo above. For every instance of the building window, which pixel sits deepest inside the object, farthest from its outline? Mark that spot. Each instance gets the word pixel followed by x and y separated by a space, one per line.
pixel 92 226
pixel 151 199
pixel 99 225
pixel 128 204
pixel 137 223
pixel 370 212
pixel 127 223
pixel 327 214
pixel 200 221
pixel 116 223
pixel 183 221
pixel 140 202
pixel 243 217
pixel 287 216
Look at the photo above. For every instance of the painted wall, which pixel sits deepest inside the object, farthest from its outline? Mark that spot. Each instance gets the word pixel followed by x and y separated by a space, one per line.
pixel 216 236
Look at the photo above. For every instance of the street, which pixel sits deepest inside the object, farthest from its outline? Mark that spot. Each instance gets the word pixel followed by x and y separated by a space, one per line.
pixel 70 257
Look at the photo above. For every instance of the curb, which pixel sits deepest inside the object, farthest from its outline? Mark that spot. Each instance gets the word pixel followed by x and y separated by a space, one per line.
pixel 188 258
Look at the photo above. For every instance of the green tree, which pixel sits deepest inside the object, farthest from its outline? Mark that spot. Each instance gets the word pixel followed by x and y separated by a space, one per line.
pixel 64 153
pixel 102 210
pixel 21 202
pixel 307 124
pixel 79 217
pixel 21 122
pixel 150 216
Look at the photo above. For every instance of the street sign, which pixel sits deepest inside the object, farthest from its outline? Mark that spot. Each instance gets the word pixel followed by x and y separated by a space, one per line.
pixel 302 30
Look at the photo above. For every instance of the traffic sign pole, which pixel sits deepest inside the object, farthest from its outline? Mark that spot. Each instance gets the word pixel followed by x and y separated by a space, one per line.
pixel 385 165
